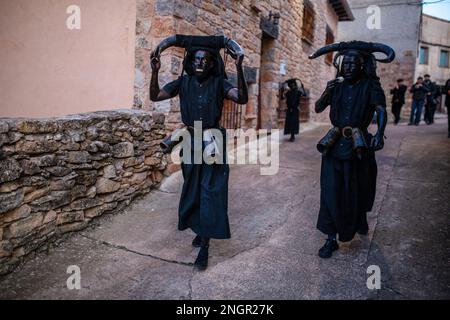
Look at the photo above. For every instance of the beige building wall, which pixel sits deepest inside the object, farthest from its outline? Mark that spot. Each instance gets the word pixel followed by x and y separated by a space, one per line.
pixel 435 35
pixel 49 70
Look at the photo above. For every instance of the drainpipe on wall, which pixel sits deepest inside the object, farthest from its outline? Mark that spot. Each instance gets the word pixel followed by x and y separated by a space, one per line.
pixel 419 36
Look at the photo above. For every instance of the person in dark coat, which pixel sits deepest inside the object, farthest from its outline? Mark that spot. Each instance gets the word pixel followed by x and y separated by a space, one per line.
pixel 431 99
pixel 202 89
pixel 292 96
pixel 398 99
pixel 419 92
pixel 349 170
pixel 447 102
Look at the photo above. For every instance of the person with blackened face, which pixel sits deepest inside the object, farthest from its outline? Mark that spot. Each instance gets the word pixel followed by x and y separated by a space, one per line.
pixel 202 89
pixel 293 98
pixel 349 170
pixel 202 64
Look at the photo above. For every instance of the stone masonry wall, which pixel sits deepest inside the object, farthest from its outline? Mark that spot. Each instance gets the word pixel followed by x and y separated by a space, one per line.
pixel 58 174
pixel 389 73
pixel 240 20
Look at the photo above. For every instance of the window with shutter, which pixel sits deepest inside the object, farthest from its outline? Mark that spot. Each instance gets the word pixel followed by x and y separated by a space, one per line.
pixel 308 22
pixel 329 39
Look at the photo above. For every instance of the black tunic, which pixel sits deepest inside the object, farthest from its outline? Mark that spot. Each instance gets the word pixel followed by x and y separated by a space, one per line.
pixel 204 199
pixel 398 95
pixel 348 184
pixel 292 123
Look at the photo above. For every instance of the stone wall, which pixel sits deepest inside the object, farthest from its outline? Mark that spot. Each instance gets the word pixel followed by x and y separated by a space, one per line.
pixel 58 174
pixel 390 72
pixel 240 20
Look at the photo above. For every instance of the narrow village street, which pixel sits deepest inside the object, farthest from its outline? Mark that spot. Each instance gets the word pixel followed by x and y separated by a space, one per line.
pixel 140 254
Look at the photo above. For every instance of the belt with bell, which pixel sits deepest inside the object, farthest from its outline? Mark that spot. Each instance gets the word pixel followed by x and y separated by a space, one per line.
pixel 205 131
pixel 347 132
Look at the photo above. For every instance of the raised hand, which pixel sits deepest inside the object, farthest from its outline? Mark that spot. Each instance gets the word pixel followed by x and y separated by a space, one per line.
pixel 155 60
pixel 331 84
pixel 239 60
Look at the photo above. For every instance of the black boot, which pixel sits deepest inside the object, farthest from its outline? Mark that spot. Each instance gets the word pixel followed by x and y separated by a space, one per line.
pixel 363 231
pixel 327 250
pixel 364 227
pixel 201 263
pixel 197 241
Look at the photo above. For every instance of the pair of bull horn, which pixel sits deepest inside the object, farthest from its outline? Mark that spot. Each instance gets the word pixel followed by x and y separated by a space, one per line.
pixel 234 49
pixel 214 42
pixel 370 47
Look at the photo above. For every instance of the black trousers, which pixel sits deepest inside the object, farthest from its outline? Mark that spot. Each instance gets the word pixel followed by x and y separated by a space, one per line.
pixel 396 110
pixel 448 118
pixel 430 109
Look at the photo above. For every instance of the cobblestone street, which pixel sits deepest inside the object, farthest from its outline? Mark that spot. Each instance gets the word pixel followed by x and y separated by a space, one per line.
pixel 139 254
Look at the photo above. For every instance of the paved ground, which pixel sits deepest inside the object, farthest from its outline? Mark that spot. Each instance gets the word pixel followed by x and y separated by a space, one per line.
pixel 273 251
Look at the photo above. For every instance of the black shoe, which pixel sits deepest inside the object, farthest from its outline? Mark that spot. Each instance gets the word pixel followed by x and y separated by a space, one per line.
pixel 202 259
pixel 410 124
pixel 197 241
pixel 327 250
pixel 291 139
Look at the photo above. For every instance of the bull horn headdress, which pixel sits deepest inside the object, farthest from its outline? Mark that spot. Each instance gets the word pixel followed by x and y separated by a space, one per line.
pixel 362 46
pixel 214 42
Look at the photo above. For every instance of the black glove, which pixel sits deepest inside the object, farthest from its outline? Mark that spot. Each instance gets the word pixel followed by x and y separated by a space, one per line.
pixel 377 142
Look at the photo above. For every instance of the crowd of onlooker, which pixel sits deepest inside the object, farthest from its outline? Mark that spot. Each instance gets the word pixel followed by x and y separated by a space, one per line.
pixel 426 94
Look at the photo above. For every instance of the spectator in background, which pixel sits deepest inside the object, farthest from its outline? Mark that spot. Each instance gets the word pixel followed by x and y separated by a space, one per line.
pixel 292 96
pixel 398 99
pixel 447 102
pixel 431 101
pixel 419 92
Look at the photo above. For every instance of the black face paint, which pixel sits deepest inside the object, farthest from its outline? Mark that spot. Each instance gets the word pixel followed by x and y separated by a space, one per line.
pixel 202 63
pixel 352 67
pixel 292 85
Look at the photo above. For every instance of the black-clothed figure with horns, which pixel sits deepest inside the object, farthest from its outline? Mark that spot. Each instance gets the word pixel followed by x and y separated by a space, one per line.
pixel 349 169
pixel 292 96
pixel 202 89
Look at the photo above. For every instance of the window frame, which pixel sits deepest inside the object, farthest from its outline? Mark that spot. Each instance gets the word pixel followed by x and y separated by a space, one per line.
pixel 308 22
pixel 427 53
pixel 447 64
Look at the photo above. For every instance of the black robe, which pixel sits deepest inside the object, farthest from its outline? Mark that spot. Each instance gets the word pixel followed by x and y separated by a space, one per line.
pixel 348 184
pixel 292 123
pixel 204 199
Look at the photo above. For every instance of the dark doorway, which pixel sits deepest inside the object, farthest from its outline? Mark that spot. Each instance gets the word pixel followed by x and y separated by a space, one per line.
pixel 267 74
